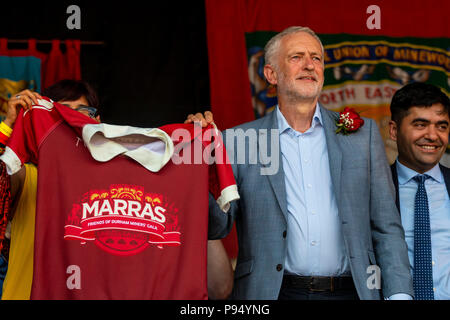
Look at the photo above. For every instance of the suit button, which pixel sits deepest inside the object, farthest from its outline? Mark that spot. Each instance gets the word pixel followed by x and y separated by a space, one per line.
pixel 279 267
pixel 284 234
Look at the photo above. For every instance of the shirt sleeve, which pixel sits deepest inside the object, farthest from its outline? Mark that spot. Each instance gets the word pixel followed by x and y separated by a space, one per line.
pixel 222 184
pixel 400 296
pixel 30 128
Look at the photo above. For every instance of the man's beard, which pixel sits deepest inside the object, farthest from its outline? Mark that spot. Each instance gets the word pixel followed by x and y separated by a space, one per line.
pixel 294 92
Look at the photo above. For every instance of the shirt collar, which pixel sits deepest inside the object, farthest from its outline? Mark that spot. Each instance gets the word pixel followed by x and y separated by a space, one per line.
pixel 283 125
pixel 405 174
pixel 153 156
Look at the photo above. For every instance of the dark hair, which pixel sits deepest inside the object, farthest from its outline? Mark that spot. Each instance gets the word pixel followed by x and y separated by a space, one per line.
pixel 417 94
pixel 69 90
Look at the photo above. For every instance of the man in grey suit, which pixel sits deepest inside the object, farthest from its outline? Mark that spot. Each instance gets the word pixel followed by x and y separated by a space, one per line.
pixel 319 221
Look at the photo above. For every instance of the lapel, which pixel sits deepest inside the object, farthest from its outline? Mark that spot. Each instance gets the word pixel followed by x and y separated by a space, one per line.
pixel 334 151
pixel 446 173
pixel 395 181
pixel 276 180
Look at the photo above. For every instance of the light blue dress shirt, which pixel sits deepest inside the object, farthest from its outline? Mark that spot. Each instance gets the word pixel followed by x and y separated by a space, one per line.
pixel 315 244
pixel 439 208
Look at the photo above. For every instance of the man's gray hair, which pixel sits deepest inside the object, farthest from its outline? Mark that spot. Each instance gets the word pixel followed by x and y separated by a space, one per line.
pixel 273 44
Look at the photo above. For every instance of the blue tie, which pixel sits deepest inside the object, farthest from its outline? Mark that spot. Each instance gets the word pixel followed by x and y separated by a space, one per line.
pixel 423 273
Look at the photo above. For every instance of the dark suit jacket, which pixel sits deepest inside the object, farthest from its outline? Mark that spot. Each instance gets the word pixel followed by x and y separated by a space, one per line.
pixel 445 172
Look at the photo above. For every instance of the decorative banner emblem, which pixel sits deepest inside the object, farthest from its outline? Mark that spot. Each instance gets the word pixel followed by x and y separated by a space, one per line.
pixel 123 220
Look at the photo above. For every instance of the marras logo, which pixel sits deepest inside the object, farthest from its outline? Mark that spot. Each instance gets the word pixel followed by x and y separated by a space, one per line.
pixel 130 208
pixel 123 220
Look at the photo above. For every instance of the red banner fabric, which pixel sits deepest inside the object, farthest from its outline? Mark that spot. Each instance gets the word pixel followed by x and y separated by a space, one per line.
pixel 61 66
pixel 228 21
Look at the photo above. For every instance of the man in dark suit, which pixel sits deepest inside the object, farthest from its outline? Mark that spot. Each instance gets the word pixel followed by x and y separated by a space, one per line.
pixel 420 126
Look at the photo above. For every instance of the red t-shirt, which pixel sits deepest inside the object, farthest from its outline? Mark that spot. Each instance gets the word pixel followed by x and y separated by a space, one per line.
pixel 117 217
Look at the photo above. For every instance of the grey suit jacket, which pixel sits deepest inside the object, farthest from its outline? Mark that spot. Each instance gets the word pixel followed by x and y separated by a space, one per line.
pixel 371 226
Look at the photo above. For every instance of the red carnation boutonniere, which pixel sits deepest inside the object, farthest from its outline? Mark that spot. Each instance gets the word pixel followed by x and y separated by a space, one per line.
pixel 349 121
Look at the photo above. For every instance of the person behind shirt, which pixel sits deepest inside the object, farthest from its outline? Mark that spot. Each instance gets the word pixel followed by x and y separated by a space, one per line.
pixel 19 238
pixel 80 96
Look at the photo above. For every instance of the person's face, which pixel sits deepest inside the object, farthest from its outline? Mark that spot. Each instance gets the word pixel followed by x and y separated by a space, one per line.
pixel 422 137
pixel 79 104
pixel 299 71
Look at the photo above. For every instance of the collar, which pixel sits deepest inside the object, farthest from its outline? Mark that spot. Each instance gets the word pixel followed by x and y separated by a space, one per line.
pixel 153 154
pixel 283 125
pixel 405 174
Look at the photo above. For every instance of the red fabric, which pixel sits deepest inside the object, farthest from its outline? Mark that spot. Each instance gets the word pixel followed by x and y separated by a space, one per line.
pixel 229 85
pixel 211 144
pixel 31 51
pixel 55 65
pixel 61 66
pixel 3 140
pixel 227 22
pixel 72 59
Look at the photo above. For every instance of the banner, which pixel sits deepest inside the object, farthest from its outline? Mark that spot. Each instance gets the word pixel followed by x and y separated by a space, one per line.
pixel 61 65
pixel 154 230
pixel 31 69
pixel 19 70
pixel 361 72
pixel 364 66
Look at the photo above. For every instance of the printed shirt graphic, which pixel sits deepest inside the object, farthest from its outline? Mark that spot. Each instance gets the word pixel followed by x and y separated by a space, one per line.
pixel 120 212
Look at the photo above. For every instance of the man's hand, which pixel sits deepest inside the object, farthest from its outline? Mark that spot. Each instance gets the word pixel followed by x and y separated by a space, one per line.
pixel 24 99
pixel 205 119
